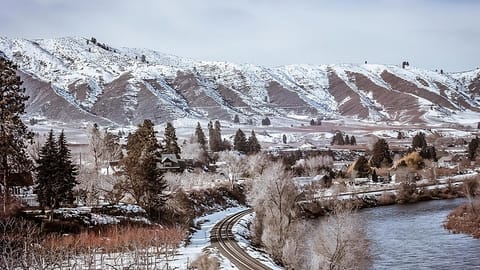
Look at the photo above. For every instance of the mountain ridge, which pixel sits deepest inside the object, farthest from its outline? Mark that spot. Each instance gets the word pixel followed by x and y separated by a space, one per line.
pixel 125 85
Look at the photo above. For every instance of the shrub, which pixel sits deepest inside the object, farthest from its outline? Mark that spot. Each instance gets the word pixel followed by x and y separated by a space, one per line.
pixel 205 262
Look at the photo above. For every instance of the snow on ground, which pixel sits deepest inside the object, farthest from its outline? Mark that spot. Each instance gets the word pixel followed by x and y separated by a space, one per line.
pixel 242 235
pixel 200 240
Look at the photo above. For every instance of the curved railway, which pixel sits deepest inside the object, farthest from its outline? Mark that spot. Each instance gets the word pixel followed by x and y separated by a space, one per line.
pixel 222 237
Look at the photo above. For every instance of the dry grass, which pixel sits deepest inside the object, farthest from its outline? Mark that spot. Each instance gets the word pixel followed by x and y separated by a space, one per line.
pixel 117 239
pixel 387 198
pixel 24 247
pixel 464 219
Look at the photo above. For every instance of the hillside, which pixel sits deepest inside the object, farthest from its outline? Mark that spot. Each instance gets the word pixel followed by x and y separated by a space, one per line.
pixel 74 79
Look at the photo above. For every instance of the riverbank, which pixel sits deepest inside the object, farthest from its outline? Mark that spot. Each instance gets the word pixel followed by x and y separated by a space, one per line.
pixel 403 195
pixel 465 219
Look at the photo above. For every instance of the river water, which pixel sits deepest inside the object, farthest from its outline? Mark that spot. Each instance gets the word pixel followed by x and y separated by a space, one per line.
pixel 412 237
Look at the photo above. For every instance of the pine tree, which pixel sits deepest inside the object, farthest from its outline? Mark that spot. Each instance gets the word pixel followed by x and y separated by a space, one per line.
pixel 143 180
pixel 46 173
pixel 381 154
pixel 419 141
pixel 347 139
pixel 236 119
pixel 361 166
pixel 215 137
pixel 240 142
pixel 374 176
pixel 55 173
pixel 253 145
pixel 113 149
pixel 200 136
pixel 154 185
pixel 338 138
pixel 66 171
pixel 226 145
pixel 171 145
pixel 13 132
pixel 218 134
pixel 472 148
pixel 353 141
pixel 211 137
pixel 266 121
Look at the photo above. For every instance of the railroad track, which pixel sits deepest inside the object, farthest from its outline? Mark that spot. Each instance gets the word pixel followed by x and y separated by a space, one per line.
pixel 222 238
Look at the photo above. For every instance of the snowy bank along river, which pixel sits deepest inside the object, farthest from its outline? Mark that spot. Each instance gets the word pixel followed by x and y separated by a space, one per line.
pixel 412 237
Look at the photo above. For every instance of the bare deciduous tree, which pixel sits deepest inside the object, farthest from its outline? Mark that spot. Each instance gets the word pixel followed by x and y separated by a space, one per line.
pixel 274 197
pixel 233 165
pixel 256 164
pixel 340 243
pixel 194 151
pixel 314 164
pixel 470 187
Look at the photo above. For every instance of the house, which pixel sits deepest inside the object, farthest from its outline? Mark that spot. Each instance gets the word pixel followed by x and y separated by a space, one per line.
pixel 20 185
pixel 169 162
pixel 307 146
pixel 17 182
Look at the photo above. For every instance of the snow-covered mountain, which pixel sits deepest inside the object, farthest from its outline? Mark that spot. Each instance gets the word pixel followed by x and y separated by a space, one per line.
pixel 75 79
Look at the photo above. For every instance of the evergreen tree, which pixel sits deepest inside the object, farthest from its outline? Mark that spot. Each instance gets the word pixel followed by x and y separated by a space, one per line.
pixel 338 138
pixel 240 142
pixel 200 136
pixel 353 141
pixel 143 180
pixel 66 172
pixel 218 133
pixel 154 185
pixel 266 121
pixel 472 148
pixel 226 145
pixel 55 173
pixel 215 137
pixel 236 119
pixel 374 176
pixel 13 132
pixel 361 167
pixel 419 141
pixel 211 137
pixel 253 144
pixel 347 139
pixel 171 145
pixel 429 152
pixel 381 154
pixel 113 149
pixel 46 173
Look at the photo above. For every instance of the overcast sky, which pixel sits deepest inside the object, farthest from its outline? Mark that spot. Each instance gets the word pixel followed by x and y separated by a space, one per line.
pixel 428 33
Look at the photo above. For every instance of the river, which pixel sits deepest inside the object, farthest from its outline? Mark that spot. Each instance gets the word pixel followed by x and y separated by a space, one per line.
pixel 412 237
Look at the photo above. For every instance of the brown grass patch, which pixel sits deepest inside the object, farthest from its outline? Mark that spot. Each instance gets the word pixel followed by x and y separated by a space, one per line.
pixel 464 219
pixel 117 239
